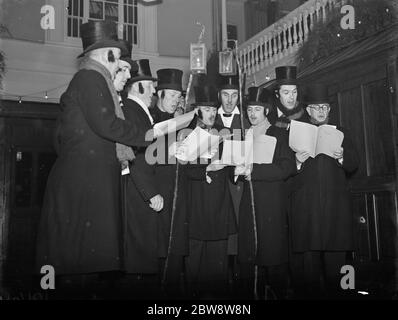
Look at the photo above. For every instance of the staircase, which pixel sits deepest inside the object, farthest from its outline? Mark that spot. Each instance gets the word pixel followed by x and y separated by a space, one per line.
pixel 278 44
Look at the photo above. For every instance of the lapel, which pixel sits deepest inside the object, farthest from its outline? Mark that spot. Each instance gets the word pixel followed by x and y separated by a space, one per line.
pixel 134 113
pixel 235 124
pixel 218 121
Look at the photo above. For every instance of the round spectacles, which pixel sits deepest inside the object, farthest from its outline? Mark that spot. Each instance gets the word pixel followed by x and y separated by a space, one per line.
pixel 320 107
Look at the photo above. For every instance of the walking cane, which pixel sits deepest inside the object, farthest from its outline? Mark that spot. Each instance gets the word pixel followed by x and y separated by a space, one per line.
pixel 175 194
pixel 241 89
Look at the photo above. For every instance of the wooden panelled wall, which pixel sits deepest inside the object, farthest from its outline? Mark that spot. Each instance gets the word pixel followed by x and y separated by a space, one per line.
pixel 25 129
pixel 363 95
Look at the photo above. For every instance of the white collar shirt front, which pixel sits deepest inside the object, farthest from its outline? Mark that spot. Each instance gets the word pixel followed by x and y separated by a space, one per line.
pixel 227 121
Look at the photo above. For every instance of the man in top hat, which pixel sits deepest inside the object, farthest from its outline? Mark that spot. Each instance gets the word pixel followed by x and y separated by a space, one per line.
pixel 79 230
pixel 169 90
pixel 209 209
pixel 286 92
pixel 142 200
pixel 126 66
pixel 270 205
pixel 322 220
pixel 287 108
pixel 228 115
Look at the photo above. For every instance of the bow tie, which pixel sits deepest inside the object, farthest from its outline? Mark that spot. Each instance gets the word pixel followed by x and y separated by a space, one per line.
pixel 227 115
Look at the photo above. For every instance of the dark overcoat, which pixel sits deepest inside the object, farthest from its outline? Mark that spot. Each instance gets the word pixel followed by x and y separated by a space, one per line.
pixel 235 124
pixel 271 201
pixel 140 220
pixel 80 225
pixel 321 217
pixel 210 211
pixel 165 173
pixel 235 188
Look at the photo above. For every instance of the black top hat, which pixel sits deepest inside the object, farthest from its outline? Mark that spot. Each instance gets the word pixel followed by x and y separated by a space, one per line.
pixel 316 93
pixel 206 96
pixel 99 34
pixel 126 55
pixel 169 79
pixel 231 82
pixel 286 75
pixel 259 96
pixel 142 73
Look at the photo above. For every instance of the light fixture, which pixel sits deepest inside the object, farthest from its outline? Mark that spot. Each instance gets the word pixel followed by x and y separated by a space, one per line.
pixel 227 63
pixel 46 96
pixel 198 58
pixel 20 100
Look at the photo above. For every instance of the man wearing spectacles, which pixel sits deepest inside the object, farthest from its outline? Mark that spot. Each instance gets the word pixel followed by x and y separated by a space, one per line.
pixel 321 219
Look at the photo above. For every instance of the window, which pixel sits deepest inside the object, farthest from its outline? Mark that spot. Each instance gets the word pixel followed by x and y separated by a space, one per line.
pixel 75 17
pixel 123 12
pixel 232 32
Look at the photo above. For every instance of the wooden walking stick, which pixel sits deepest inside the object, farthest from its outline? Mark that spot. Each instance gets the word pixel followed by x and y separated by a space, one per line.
pixel 175 195
pixel 241 90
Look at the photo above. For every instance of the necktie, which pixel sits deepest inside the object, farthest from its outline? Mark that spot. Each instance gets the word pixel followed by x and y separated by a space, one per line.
pixel 227 115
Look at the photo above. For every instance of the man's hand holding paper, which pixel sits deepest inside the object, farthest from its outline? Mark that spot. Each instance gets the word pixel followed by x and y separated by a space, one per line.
pixel 325 139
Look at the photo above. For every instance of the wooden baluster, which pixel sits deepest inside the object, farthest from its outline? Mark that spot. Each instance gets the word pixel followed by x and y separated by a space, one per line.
pixel 285 52
pixel 312 10
pixel 324 3
pixel 280 53
pixel 261 52
pixel 318 11
pixel 249 69
pixel 248 60
pixel 275 46
pixel 266 50
pixel 300 30
pixel 295 45
pixel 257 60
pixel 289 37
pixel 271 49
pixel 253 58
pixel 305 24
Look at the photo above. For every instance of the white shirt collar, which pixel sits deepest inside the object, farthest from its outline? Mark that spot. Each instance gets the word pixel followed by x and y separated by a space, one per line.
pixel 142 105
pixel 280 113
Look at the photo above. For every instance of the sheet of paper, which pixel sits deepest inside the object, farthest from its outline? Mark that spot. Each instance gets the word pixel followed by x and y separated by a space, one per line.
pixel 259 150
pixel 208 146
pixel 174 124
pixel 234 152
pixel 329 140
pixel 198 144
pixel 263 149
pixel 303 137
